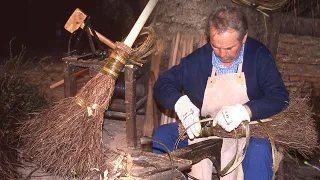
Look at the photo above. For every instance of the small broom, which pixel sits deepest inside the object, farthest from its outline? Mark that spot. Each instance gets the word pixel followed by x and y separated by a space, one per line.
pixel 293 129
pixel 67 138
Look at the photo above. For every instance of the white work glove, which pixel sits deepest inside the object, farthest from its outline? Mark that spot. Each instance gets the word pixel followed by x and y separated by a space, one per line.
pixel 230 117
pixel 188 113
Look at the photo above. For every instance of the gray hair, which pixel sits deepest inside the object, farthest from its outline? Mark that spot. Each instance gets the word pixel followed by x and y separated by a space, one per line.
pixel 226 18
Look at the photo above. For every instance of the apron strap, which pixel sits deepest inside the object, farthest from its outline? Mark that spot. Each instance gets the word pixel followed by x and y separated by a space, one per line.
pixel 213 73
pixel 239 68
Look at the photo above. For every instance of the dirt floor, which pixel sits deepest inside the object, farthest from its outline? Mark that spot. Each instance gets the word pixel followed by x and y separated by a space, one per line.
pixel 46 70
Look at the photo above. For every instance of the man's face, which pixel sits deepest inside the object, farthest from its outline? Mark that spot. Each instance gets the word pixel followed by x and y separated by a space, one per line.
pixel 226 45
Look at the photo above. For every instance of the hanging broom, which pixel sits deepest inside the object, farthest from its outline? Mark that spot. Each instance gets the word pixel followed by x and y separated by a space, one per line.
pixel 67 139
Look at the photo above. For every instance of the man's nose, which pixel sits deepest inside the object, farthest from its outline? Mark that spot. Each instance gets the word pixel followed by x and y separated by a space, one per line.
pixel 222 53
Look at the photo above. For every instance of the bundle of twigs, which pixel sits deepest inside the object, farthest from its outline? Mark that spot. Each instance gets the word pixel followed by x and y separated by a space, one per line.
pixel 263 5
pixel 293 129
pixel 67 138
pixel 269 5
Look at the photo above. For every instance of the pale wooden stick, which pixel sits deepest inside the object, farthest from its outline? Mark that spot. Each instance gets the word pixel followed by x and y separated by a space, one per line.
pixel 151 118
pixel 163 114
pixel 183 45
pixel 202 41
pixel 156 70
pixel 77 74
pixel 159 53
pixel 172 51
pixel 176 48
pixel 182 52
pixel 179 53
pixel 178 56
pixel 190 45
pixel 148 125
pixel 168 117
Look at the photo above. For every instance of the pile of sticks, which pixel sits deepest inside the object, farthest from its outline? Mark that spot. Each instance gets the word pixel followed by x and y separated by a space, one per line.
pixel 181 46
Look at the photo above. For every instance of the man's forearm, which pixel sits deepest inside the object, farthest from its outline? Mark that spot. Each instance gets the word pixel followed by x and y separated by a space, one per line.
pixel 166 95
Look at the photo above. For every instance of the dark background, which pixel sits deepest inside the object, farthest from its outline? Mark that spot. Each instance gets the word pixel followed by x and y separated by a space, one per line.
pixel 39 24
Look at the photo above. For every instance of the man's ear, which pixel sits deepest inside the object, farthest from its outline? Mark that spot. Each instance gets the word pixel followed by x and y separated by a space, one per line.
pixel 245 38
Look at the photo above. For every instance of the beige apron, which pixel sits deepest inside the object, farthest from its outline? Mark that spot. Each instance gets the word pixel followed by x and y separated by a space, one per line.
pixel 222 90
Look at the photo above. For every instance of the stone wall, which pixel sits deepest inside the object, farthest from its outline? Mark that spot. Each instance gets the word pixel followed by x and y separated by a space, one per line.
pixel 300 26
pixel 298 59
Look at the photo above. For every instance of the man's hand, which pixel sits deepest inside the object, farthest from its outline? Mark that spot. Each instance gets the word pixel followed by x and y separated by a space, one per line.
pixel 230 117
pixel 189 114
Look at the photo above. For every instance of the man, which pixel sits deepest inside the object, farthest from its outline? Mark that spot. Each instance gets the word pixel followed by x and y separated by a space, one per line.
pixel 232 78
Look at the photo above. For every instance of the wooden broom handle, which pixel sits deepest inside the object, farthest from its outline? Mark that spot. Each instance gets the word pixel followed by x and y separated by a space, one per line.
pixel 140 23
pixel 134 31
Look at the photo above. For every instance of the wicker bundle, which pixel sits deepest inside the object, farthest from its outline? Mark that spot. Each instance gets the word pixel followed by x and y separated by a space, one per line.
pixel 293 129
pixel 263 5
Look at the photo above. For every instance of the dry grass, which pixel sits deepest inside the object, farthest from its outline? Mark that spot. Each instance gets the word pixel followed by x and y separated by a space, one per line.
pixel 18 100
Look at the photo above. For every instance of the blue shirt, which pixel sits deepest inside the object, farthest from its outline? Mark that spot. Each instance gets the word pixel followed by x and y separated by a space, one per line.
pixel 265 88
pixel 222 69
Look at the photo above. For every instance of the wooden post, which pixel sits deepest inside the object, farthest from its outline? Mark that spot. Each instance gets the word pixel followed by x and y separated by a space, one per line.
pixel 130 102
pixel 70 88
